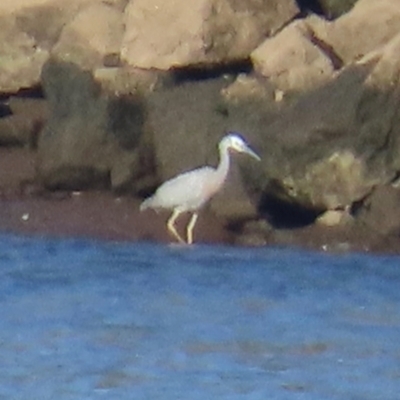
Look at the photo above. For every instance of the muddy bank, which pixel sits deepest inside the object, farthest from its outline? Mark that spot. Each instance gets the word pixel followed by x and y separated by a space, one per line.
pixel 27 208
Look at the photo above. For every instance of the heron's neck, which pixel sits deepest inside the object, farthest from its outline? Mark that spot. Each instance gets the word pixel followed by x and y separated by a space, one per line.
pixel 223 166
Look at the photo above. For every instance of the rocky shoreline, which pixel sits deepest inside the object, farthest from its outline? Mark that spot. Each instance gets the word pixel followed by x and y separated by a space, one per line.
pixel 28 208
pixel 99 105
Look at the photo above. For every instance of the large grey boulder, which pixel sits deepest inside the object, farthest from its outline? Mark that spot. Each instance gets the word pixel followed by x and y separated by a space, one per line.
pixel 335 144
pixel 92 135
pixel 165 34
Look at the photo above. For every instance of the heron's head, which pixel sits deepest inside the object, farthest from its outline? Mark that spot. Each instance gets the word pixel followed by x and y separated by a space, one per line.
pixel 236 142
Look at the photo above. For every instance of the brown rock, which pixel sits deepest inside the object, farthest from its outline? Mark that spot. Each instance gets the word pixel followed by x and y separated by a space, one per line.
pixel 24 121
pixel 43 20
pixel 335 8
pixel 335 144
pixel 17 131
pixel 126 80
pixel 28 106
pixel 381 210
pixel 91 37
pixel 292 60
pixel 20 58
pixel 90 30
pixel 91 137
pixel 28 29
pixel 248 88
pixel 334 218
pixel 367 27
pixel 164 34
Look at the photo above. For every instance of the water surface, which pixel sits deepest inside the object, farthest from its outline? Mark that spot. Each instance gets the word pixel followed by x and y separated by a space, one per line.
pixel 85 319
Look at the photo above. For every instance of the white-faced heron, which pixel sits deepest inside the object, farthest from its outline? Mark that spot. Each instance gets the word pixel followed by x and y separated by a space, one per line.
pixel 189 191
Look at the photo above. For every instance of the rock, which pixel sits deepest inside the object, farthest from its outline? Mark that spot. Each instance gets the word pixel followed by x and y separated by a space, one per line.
pixel 380 211
pixel 30 107
pixel 185 119
pixel 23 122
pixel 334 218
pixel 254 233
pixel 292 60
pixel 335 8
pixel 188 121
pixel 91 137
pixel 42 20
pixel 16 131
pixel 21 59
pixel 125 80
pixel 92 37
pixel 28 30
pixel 335 181
pixel 334 145
pixel 367 27
pixel 248 88
pixel 166 34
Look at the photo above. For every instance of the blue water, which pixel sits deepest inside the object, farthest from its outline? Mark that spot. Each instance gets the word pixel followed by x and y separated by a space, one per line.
pixel 94 320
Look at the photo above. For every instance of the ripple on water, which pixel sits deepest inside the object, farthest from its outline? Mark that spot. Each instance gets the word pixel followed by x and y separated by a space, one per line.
pixel 90 319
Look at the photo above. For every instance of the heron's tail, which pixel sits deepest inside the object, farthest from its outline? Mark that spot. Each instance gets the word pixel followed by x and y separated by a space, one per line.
pixel 146 204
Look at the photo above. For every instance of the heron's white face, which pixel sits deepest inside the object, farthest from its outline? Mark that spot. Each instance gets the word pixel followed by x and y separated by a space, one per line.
pixel 237 143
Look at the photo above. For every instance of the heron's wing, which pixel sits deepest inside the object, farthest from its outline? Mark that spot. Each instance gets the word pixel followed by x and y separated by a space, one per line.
pixel 187 191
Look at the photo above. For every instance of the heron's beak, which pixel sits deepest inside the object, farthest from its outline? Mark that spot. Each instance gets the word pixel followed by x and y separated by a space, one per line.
pixel 250 152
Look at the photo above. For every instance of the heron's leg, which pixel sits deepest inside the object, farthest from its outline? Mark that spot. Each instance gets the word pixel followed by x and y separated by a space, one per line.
pixel 171 225
pixel 189 229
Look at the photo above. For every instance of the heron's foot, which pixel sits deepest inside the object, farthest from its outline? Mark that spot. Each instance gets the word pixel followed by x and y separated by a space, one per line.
pixel 179 246
pixel 177 236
